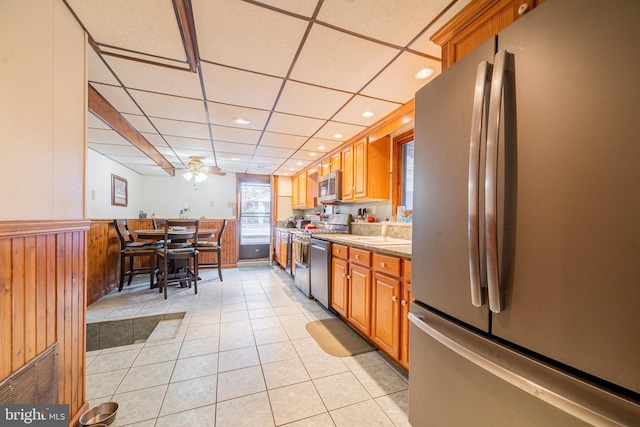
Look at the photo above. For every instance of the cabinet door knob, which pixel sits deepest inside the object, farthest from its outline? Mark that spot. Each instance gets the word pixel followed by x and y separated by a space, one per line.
pixel 348 277
pixel 357 256
pixel 394 298
pixel 403 302
pixel 382 264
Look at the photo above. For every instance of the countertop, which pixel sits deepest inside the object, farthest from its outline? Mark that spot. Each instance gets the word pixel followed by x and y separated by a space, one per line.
pixel 401 250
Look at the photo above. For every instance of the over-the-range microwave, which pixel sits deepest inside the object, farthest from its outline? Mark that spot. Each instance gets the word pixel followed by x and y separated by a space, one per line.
pixel 330 187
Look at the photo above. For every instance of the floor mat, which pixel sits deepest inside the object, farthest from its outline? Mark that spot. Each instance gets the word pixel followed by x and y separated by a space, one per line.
pixel 336 338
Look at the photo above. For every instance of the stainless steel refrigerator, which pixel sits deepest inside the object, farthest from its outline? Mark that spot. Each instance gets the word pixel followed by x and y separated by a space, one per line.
pixel 526 235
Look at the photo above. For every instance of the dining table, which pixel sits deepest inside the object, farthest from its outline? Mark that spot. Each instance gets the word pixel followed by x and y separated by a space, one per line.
pixel 176 236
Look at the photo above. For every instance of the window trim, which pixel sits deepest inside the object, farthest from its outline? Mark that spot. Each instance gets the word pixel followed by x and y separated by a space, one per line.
pixel 396 191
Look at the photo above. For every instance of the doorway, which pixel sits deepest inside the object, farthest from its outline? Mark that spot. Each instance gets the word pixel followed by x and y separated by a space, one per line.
pixel 254 218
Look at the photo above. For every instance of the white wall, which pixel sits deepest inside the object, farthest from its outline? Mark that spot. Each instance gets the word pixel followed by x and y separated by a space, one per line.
pixel 162 196
pixel 42 111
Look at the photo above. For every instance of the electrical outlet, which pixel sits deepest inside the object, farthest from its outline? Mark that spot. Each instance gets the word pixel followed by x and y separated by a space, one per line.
pixel 93 194
pixel 374 209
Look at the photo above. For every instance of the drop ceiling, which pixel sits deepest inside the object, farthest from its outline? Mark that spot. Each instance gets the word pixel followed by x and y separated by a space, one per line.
pixel 300 72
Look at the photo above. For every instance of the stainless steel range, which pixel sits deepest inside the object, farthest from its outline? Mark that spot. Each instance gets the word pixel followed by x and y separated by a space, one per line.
pixel 303 248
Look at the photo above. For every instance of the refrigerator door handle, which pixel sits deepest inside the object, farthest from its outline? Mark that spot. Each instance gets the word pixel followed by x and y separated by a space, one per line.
pixel 480 95
pixel 496 303
pixel 588 408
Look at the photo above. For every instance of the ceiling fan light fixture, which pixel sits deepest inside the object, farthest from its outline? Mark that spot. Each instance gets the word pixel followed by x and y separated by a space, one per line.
pixel 200 177
pixel 187 175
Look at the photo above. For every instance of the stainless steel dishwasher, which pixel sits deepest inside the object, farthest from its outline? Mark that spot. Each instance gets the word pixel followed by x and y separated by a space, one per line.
pixel 320 271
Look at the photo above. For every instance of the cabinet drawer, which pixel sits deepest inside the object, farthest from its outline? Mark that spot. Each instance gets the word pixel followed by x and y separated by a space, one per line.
pixel 340 251
pixel 386 264
pixel 360 256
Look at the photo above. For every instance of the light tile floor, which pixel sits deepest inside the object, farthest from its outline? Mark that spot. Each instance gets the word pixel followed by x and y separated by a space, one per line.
pixel 240 357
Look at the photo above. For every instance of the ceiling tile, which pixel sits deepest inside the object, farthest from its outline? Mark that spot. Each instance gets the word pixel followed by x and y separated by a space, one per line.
pixel 396 22
pixel 247 36
pixel 105 136
pixel 237 87
pixel 423 44
pixel 293 125
pixel 271 139
pixel 315 144
pixel 148 170
pixel 235 148
pixel 397 82
pixel 112 149
pixel 176 142
pixel 300 7
pixel 155 139
pixel 140 123
pixel 154 78
pixel 337 60
pixel 94 122
pixel 311 101
pixel 181 128
pixel 118 98
pixel 352 112
pixel 330 129
pixel 170 107
pixel 143 25
pixel 232 157
pixel 285 153
pixel 97 71
pixel 224 115
pixel 304 156
pixel 229 134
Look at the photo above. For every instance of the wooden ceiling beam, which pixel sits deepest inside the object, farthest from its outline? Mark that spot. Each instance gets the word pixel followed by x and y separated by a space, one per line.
pixel 188 30
pixel 99 106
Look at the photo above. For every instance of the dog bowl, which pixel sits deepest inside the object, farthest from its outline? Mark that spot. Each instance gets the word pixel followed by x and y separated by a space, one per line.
pixel 103 414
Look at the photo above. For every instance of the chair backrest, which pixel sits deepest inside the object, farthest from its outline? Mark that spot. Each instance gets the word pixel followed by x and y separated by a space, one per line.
pixel 122 228
pixel 172 241
pixel 224 224
pixel 158 223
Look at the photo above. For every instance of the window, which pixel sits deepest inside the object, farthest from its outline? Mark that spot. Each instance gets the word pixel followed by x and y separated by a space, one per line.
pixel 407 175
pixel 403 146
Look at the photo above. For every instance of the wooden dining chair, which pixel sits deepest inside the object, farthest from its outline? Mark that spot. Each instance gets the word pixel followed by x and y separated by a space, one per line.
pixel 206 247
pixel 129 250
pixel 176 254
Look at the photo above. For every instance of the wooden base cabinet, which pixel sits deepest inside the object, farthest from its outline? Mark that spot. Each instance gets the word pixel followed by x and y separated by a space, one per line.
pixel 404 314
pixel 340 285
pixel 359 302
pixel 385 320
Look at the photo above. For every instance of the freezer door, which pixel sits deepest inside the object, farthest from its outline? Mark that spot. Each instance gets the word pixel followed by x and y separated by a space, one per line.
pixel 459 378
pixel 441 268
pixel 570 260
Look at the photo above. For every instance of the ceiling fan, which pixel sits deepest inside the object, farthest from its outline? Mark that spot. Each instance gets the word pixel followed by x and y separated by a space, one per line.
pixel 196 169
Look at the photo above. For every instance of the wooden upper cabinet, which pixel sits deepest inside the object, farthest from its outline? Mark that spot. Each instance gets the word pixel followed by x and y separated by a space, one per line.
pixel 365 170
pixel 324 167
pixel 312 189
pixel 295 202
pixel 347 174
pixel 336 162
pixel 477 22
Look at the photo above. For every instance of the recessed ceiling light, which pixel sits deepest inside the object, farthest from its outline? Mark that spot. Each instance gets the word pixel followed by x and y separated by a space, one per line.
pixel 241 120
pixel 312 154
pixel 292 169
pixel 322 147
pixel 368 114
pixel 424 73
pixel 337 135
pixel 286 174
pixel 235 159
pixel 299 163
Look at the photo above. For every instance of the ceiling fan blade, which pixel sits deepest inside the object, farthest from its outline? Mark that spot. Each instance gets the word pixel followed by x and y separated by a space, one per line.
pixel 215 170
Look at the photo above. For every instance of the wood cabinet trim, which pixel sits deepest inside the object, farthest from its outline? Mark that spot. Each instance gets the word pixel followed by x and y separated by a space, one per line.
pixel 10 229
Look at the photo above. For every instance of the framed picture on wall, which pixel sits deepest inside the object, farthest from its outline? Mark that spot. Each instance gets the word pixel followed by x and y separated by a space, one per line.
pixel 119 191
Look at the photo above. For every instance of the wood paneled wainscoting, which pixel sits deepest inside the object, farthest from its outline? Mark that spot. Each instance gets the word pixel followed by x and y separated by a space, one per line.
pixel 104 252
pixel 43 277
